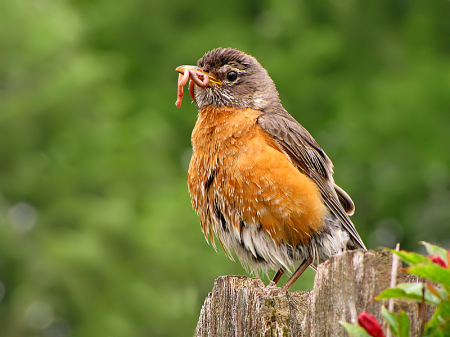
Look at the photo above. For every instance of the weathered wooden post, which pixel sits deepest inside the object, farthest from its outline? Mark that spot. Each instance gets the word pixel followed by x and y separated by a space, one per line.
pixel 344 286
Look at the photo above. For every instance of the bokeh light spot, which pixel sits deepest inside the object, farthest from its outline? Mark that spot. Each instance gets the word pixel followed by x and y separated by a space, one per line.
pixel 22 217
pixel 40 315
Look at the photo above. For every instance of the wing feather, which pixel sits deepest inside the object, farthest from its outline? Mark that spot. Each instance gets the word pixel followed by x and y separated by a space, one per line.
pixel 310 159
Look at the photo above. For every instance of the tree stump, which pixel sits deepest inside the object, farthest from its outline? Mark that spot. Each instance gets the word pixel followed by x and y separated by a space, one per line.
pixel 343 287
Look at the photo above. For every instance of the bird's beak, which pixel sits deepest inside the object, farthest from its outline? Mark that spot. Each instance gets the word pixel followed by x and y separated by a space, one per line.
pixel 199 71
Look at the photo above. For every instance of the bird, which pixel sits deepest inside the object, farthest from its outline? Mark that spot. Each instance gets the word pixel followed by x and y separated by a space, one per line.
pixel 257 178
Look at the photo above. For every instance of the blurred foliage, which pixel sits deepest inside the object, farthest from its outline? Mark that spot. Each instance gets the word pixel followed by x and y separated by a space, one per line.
pixel 97 235
pixel 436 268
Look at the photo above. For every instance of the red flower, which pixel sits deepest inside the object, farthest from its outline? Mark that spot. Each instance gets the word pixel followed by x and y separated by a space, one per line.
pixel 438 260
pixel 370 324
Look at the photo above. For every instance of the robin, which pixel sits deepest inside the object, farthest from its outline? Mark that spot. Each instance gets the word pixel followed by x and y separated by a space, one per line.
pixel 257 178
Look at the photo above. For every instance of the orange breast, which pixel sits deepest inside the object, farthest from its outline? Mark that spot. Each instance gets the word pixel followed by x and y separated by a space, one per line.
pixel 239 174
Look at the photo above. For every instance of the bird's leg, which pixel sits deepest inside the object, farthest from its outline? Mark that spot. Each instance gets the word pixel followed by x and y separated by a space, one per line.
pixel 278 275
pixel 297 274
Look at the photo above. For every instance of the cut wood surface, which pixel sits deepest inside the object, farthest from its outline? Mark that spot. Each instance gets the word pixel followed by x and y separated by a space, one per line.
pixel 343 287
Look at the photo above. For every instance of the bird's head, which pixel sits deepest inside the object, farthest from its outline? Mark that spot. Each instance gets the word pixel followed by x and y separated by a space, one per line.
pixel 235 79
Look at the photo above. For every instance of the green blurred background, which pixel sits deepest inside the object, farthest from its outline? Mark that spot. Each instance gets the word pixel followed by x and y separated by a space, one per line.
pixel 97 235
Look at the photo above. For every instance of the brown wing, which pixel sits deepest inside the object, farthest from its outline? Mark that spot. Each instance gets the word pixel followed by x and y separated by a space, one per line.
pixel 310 159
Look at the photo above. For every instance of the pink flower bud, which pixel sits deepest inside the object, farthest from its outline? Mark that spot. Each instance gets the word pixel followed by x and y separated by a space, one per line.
pixel 370 324
pixel 438 260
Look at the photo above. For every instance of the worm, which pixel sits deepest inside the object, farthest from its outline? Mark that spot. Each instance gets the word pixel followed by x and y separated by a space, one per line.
pixel 194 79
pixel 191 90
pixel 201 83
pixel 182 80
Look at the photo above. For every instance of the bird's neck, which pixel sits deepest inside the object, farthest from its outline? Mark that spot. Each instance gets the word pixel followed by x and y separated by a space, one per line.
pixel 223 127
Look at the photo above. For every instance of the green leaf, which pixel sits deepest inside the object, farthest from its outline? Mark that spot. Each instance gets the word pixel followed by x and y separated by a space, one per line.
pixel 432 272
pixel 433 249
pixel 442 293
pixel 439 324
pixel 391 293
pixel 354 330
pixel 399 324
pixel 391 319
pixel 416 289
pixel 409 257
pixel 412 291
pixel 403 324
pixel 444 309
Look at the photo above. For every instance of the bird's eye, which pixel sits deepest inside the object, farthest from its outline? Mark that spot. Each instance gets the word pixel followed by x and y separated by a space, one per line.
pixel 232 76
